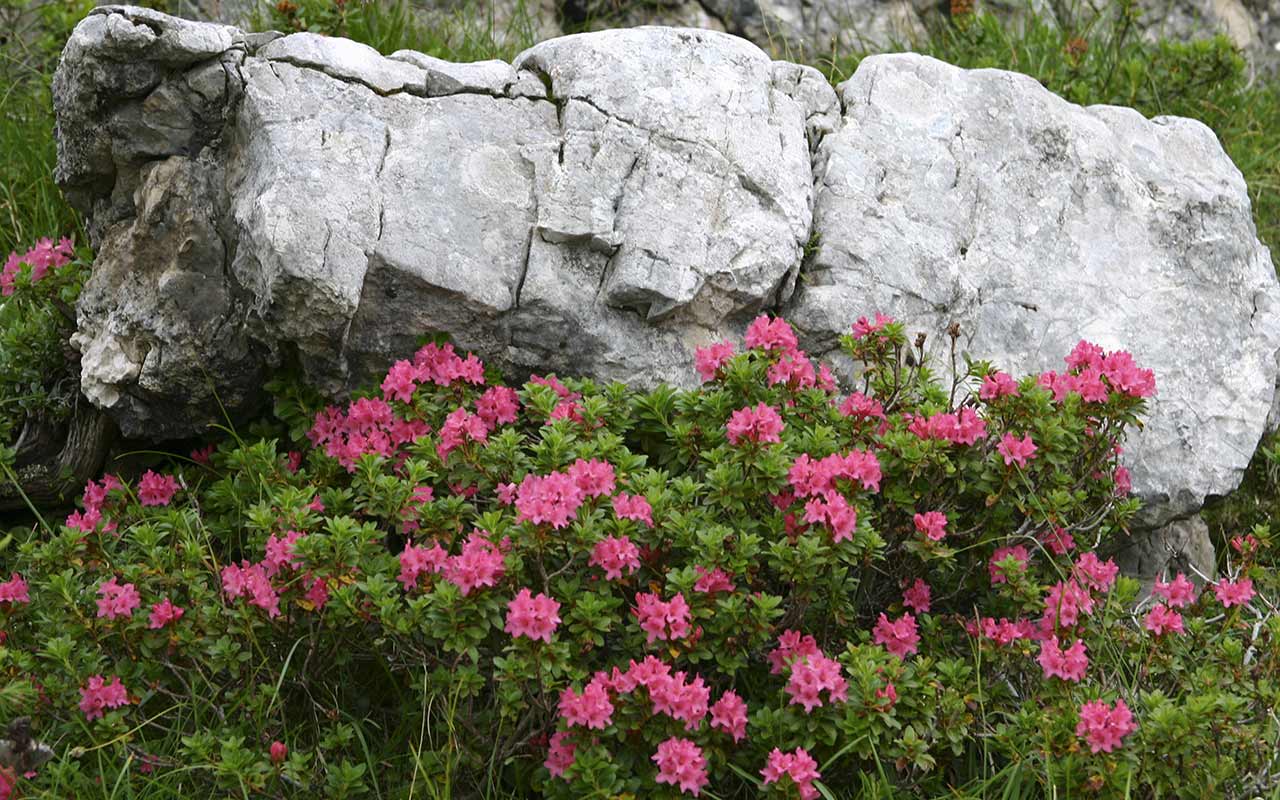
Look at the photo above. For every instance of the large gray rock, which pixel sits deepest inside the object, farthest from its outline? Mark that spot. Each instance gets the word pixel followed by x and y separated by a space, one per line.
pixel 611 201
pixel 979 198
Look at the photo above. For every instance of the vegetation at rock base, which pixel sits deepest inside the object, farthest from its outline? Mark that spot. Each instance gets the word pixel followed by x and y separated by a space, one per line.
pixel 761 587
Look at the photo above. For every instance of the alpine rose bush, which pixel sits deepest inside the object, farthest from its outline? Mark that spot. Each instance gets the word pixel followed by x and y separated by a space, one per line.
pixel 764 586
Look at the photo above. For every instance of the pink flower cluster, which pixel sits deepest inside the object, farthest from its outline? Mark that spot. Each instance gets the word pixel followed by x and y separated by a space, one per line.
pixel 251 581
pixel 1002 631
pixel 798 765
pixel 997 385
pixel 917 596
pixel 729 714
pixel 1103 726
pixel 860 406
pixel 1015 450
pixel 535 616
pixel 964 427
pixel 460 427
pixel 479 563
pixel 771 334
pixel 42 257
pixel 155 489
pixel 431 364
pixel 681 763
pixel 900 636
pixel 117 600
pixel 1068 664
pixel 633 507
pixel 551 499
pixel 97 695
pixel 94 499
pixel 14 590
pixel 1234 593
pixel 811 671
pixel 864 327
pixel 711 581
pixel 761 424
pixel 933 524
pixel 1094 573
pixel 708 360
pixel 1161 620
pixel 1088 365
pixel 614 554
pixel 827 505
pixel 660 619
pixel 368 427
pixel 1177 593
pixel 164 613
pixel 560 755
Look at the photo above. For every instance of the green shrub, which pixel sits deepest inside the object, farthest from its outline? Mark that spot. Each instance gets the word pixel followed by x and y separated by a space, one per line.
pixel 454 588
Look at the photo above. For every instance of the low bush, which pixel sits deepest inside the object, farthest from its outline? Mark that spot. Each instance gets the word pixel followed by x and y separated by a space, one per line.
pixel 759 587
pixel 39 373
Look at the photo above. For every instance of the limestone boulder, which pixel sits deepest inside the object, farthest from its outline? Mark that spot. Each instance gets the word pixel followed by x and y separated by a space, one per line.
pixel 979 198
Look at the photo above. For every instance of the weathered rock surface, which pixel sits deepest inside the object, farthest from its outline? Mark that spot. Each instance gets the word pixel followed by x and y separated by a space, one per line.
pixel 977 197
pixel 610 201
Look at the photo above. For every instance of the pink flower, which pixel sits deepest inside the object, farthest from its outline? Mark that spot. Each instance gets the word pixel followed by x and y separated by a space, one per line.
pixel 279 553
pixel 1096 574
pixel 1103 727
pixel 713 580
pixel 590 709
pixel 97 695
pixel 1162 619
pixel 1065 603
pixel 680 762
pixel 594 478
pixel 1124 484
pixel 933 524
pixel 899 637
pixel 729 714
pixel 798 765
pixel 1234 593
pixel 791 646
pixel 499 405
pixel 317 593
pixel 667 620
pixel 863 407
pixel 1002 631
pixel 415 560
pixel 552 499
pixel 14 590
pixel 400 382
pixel 534 616
pixel 634 507
pixel 709 360
pixel 917 596
pixel 1069 664
pixel 1180 592
pixel 117 600
pixel 614 554
pixel 794 370
pixel 559 754
pixel 680 699
pixel 997 385
pixel 460 427
pixel 767 334
pixel 1016 450
pixel 479 564
pixel 864 327
pixel 889 693
pixel 163 613
pixel 1002 554
pixel 279 752
pixel 813 674
pixel 156 490
pixel 760 424
pixel 1058 541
